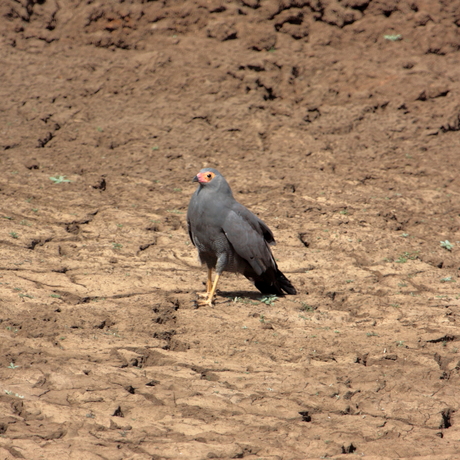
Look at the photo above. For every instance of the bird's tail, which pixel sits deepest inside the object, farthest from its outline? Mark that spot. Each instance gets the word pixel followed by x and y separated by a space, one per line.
pixel 277 284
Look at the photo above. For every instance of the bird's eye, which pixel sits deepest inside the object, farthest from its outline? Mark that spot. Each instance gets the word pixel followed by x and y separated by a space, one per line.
pixel 209 175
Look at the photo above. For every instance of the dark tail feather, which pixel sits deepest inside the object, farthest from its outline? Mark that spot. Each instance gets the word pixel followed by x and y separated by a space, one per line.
pixel 285 284
pixel 267 286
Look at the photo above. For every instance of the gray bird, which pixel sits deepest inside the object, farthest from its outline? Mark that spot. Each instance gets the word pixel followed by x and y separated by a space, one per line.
pixel 231 238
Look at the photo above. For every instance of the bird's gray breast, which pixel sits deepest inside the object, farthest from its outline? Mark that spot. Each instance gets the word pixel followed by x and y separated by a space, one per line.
pixel 207 217
pixel 217 252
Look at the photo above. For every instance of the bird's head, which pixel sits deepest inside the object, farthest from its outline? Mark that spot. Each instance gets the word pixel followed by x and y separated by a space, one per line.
pixel 212 180
pixel 206 175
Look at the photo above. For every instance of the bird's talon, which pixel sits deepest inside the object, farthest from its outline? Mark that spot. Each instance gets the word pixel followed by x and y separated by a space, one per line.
pixel 203 303
pixel 204 295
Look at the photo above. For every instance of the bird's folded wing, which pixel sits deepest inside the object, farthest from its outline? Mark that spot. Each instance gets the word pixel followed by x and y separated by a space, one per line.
pixel 250 237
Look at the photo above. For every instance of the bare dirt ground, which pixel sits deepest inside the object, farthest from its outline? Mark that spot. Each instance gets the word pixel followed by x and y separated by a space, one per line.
pixel 336 121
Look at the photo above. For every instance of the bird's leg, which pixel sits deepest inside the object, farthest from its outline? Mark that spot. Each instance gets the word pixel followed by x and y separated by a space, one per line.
pixel 213 290
pixel 210 294
pixel 222 260
pixel 209 282
pixel 208 285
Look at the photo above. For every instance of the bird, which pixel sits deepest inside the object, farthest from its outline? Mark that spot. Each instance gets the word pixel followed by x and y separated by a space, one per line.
pixel 231 238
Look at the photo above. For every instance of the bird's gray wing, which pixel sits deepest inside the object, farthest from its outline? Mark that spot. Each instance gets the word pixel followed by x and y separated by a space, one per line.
pixel 249 237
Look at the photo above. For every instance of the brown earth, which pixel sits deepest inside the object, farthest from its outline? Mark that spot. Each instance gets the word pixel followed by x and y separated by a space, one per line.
pixel 336 121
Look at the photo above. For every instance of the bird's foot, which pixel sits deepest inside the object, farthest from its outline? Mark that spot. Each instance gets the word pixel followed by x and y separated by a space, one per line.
pixel 203 303
pixel 204 300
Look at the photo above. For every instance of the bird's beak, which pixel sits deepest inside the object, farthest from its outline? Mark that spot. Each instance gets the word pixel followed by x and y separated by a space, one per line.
pixel 195 179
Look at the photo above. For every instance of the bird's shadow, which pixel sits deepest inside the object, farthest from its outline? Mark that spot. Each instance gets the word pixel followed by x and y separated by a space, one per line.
pixel 242 296
pixel 246 297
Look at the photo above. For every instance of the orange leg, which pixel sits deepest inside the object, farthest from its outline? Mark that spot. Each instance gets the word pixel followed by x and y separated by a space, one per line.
pixel 210 289
pixel 208 285
pixel 213 290
pixel 209 282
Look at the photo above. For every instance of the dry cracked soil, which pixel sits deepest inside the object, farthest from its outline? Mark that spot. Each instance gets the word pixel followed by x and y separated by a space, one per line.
pixel 337 122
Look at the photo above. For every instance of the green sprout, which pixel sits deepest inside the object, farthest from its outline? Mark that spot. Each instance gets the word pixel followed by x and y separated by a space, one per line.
pixel 59 180
pixel 393 38
pixel 405 256
pixel 447 245
pixel 268 299
pixel 447 279
pixel 12 393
